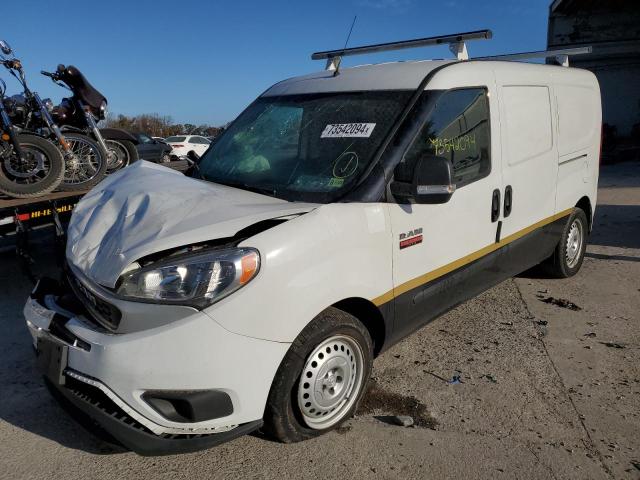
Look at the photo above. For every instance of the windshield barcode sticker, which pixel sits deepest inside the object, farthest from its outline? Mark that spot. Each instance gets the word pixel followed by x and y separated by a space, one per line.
pixel 348 130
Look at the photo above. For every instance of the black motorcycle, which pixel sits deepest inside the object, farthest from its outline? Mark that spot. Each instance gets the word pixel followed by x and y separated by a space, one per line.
pixel 30 165
pixel 85 163
pixel 84 109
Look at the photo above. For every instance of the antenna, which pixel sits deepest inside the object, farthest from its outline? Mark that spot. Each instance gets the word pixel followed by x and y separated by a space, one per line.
pixel 333 63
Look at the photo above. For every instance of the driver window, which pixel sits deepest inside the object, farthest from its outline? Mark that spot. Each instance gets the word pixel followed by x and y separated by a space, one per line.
pixel 457 129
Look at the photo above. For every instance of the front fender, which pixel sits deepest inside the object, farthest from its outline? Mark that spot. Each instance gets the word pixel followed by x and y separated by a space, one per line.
pixel 118 134
pixel 309 263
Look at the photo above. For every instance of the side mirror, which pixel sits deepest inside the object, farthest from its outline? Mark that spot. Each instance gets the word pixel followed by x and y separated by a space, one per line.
pixel 432 182
pixel 6 49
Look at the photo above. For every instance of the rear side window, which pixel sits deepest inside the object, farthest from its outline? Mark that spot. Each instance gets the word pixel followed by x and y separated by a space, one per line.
pixel 527 122
pixel 458 130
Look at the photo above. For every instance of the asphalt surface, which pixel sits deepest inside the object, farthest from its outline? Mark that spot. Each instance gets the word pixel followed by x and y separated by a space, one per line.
pixel 539 390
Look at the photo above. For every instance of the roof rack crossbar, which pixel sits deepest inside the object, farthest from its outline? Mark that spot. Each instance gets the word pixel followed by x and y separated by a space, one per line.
pixel 561 55
pixel 456 44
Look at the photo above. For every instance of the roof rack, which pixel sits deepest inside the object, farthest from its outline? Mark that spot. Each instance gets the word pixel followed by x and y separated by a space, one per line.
pixel 456 45
pixel 561 55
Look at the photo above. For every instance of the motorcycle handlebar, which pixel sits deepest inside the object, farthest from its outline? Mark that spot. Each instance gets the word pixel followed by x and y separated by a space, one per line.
pixel 47 74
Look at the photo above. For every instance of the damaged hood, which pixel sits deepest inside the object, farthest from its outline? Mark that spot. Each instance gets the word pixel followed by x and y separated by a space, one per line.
pixel 146 208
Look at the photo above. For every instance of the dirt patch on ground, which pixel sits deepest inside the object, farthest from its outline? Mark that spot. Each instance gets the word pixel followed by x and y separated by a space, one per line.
pixel 562 303
pixel 378 400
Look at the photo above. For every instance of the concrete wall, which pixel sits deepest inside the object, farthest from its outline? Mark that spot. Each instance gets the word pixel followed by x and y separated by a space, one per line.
pixel 613 29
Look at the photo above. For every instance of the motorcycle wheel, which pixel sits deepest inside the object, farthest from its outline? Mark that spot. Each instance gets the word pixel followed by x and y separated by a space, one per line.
pixel 41 173
pixel 86 167
pixel 121 154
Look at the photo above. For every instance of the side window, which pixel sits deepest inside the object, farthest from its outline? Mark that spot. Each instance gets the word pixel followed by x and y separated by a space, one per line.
pixel 145 139
pixel 457 129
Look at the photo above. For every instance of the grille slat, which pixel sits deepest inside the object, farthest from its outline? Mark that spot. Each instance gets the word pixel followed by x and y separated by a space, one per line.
pixel 104 313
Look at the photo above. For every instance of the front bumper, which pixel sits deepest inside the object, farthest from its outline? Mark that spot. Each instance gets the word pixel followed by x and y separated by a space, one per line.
pixel 102 378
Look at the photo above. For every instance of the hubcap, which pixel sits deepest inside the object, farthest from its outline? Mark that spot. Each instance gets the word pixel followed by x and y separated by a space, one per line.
pixel 574 244
pixel 330 382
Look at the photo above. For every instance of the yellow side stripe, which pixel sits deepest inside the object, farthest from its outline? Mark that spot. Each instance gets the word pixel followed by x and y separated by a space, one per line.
pixel 450 267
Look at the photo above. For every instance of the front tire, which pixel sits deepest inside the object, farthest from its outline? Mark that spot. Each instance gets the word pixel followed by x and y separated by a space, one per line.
pixel 88 165
pixel 569 253
pixel 321 379
pixel 41 173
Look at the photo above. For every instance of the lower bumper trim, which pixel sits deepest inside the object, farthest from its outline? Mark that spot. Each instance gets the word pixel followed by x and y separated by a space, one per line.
pixel 90 415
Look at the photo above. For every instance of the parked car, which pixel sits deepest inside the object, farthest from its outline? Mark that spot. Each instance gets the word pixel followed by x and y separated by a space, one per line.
pixel 183 144
pixel 160 139
pixel 149 148
pixel 335 216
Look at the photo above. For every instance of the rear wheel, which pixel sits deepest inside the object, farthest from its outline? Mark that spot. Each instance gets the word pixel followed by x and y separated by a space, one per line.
pixel 39 172
pixel 121 154
pixel 569 253
pixel 321 378
pixel 85 164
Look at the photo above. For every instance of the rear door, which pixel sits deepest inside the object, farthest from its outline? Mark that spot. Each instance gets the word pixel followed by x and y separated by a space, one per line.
pixel 441 253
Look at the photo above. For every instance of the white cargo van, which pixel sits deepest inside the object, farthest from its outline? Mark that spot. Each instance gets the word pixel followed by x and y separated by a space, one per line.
pixel 340 212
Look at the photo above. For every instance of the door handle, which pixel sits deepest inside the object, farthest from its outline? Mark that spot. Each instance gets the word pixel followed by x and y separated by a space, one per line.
pixel 508 201
pixel 495 205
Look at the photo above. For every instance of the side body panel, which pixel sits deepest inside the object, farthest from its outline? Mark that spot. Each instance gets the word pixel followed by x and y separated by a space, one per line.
pixel 579 130
pixel 530 157
pixel 335 252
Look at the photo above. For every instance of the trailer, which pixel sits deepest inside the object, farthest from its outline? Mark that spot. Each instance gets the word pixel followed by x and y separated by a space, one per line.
pixel 19 217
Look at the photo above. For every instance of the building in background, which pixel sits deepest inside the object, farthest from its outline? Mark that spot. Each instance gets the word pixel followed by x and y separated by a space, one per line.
pixel 612 27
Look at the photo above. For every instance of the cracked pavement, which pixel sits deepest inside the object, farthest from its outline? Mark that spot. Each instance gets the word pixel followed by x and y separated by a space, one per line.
pixel 544 391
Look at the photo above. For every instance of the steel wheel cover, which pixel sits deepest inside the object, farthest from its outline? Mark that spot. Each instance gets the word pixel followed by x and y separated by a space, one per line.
pixel 330 382
pixel 574 244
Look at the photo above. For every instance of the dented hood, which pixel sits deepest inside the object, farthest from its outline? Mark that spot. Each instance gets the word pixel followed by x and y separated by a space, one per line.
pixel 147 208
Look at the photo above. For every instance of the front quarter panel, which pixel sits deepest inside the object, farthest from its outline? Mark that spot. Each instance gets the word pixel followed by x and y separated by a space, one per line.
pixel 335 252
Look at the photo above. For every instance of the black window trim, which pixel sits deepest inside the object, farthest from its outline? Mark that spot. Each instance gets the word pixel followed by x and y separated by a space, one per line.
pixel 441 94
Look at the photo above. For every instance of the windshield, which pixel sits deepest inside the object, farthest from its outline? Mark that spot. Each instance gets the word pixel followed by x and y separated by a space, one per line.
pixel 310 147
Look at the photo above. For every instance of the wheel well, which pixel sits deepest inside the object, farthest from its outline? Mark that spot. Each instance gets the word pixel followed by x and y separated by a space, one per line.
pixel 370 316
pixel 585 205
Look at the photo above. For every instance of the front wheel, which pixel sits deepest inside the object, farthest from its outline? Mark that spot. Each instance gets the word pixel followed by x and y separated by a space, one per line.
pixel 121 153
pixel 39 172
pixel 321 378
pixel 85 163
pixel 569 253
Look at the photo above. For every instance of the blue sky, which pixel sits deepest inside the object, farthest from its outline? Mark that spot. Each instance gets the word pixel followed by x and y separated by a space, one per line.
pixel 204 61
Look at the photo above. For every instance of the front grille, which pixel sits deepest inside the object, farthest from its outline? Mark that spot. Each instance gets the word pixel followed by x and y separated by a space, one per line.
pixel 103 312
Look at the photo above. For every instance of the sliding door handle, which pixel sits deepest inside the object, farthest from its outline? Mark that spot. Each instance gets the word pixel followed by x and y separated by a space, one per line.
pixel 495 205
pixel 508 201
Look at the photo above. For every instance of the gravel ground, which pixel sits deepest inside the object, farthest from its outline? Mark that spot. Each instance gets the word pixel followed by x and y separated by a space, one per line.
pixel 504 386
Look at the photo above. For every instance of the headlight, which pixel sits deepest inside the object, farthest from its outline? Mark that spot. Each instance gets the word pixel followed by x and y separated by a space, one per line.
pixel 103 109
pixel 195 280
pixel 48 104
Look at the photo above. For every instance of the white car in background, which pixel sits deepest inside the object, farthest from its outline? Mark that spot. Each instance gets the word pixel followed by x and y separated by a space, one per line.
pixel 181 145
